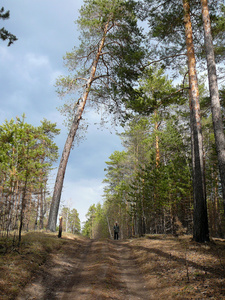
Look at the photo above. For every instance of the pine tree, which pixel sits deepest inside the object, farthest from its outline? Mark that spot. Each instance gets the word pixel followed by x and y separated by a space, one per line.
pixel 105 65
pixel 170 23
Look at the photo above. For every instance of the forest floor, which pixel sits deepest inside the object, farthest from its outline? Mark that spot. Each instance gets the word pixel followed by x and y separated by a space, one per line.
pixel 153 267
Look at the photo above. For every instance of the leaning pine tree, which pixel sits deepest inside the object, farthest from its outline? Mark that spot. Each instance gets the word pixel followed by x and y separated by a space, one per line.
pixel 103 70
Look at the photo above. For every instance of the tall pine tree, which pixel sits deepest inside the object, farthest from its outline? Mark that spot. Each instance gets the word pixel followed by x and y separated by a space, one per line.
pixel 103 69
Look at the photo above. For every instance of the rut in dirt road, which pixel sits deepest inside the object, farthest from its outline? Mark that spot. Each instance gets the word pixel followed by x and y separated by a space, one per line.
pixel 110 272
pixel 101 269
pixel 130 275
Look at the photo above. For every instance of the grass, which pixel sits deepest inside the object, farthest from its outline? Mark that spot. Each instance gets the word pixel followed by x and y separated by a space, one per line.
pixel 19 265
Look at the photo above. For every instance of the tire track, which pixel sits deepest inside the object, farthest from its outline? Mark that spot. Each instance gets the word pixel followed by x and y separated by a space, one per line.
pixel 132 283
pixel 90 270
pixel 92 280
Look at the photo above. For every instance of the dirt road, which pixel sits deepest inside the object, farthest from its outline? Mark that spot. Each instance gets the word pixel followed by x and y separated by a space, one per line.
pixel 89 269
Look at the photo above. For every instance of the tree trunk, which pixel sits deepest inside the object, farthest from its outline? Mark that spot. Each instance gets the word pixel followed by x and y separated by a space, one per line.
pixel 41 224
pixel 37 212
pixel 109 228
pixel 157 139
pixel 23 206
pixel 214 95
pixel 69 142
pixel 200 218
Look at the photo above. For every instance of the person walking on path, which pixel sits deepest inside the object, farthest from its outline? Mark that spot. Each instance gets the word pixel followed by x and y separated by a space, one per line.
pixel 116 229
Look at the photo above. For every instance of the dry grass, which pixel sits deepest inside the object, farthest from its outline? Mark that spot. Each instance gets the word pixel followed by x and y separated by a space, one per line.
pixel 173 268
pixel 18 266
pixel 182 269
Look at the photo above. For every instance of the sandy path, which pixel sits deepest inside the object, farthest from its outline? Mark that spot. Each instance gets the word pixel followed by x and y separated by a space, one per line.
pixel 133 281
pixel 89 270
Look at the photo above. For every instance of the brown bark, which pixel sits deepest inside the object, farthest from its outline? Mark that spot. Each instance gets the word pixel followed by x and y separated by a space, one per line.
pixel 214 95
pixel 69 142
pixel 200 218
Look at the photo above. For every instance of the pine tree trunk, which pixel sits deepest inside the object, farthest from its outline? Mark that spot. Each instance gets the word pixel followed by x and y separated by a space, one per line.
pixel 157 139
pixel 41 224
pixel 200 218
pixel 69 142
pixel 214 95
pixel 37 212
pixel 23 206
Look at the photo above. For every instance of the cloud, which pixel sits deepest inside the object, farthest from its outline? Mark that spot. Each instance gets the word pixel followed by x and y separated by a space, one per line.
pixel 26 86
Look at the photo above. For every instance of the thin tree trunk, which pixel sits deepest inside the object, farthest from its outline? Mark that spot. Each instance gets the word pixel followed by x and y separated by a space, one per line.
pixel 157 139
pixel 23 207
pixel 200 226
pixel 214 95
pixel 110 232
pixel 41 223
pixel 28 210
pixel 37 212
pixel 69 142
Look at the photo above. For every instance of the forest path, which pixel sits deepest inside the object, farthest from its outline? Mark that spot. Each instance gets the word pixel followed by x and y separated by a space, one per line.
pixel 90 269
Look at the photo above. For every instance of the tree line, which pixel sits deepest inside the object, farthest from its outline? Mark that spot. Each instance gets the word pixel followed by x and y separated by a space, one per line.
pixel 27 154
pixel 26 157
pixel 149 185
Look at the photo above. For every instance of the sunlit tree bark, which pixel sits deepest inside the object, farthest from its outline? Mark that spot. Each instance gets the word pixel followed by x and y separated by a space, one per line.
pixel 200 226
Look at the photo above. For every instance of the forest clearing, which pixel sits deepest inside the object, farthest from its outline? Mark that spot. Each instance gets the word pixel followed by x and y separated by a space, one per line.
pixel 151 267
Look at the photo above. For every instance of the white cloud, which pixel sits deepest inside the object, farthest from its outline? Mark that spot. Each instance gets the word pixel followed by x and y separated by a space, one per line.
pixel 36 61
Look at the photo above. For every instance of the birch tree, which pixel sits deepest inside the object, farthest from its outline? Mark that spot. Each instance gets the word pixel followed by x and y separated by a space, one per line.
pixel 102 69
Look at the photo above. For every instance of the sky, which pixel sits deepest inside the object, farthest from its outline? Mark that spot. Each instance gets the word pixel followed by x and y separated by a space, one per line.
pixel 29 68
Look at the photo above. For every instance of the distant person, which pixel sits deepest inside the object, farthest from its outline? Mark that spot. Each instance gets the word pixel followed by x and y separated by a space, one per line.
pixel 60 227
pixel 116 229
